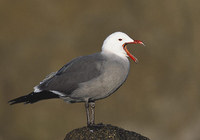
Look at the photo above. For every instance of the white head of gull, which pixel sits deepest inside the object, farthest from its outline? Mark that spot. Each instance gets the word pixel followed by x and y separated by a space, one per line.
pixel 116 43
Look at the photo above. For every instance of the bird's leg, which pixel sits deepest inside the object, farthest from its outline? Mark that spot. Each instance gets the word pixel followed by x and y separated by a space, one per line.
pixel 87 113
pixel 92 106
pixel 90 112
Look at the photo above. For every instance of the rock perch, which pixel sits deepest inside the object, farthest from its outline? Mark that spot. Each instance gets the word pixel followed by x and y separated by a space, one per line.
pixel 103 132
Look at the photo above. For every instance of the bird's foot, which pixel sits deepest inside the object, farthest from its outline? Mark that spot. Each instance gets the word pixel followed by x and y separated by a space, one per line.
pixel 95 126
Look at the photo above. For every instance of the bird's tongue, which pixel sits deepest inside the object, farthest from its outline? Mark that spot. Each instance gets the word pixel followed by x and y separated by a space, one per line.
pixel 128 53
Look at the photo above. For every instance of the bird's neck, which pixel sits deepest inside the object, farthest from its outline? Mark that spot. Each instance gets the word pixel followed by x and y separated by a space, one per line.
pixel 119 54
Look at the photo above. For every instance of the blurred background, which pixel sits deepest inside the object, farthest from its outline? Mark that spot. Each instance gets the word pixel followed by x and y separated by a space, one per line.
pixel 161 97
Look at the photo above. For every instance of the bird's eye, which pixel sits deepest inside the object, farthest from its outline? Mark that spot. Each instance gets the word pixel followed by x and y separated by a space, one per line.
pixel 120 39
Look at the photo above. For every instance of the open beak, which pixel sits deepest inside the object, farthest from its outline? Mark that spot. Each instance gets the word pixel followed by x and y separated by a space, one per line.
pixel 128 53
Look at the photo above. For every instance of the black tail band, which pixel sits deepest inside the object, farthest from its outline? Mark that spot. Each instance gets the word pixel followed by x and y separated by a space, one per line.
pixel 34 97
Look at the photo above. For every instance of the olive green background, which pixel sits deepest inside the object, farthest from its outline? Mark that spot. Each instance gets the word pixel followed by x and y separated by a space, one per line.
pixel 161 97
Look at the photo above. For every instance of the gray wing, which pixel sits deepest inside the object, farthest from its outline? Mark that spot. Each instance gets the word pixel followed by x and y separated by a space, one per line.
pixel 79 70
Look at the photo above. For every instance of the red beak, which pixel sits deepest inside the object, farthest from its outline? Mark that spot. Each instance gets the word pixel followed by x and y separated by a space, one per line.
pixel 128 53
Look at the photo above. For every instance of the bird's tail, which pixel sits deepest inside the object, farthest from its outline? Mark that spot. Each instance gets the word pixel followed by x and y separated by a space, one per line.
pixel 33 97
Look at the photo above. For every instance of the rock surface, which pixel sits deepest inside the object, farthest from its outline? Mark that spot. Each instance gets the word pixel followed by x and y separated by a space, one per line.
pixel 103 132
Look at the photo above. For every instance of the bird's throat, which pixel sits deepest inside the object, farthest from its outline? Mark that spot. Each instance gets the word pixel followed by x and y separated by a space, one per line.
pixel 129 54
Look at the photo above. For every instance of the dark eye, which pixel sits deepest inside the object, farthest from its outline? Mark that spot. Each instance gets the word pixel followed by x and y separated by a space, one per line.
pixel 120 39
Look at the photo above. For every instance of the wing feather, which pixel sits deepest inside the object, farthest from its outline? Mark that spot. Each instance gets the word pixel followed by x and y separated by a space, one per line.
pixel 79 70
